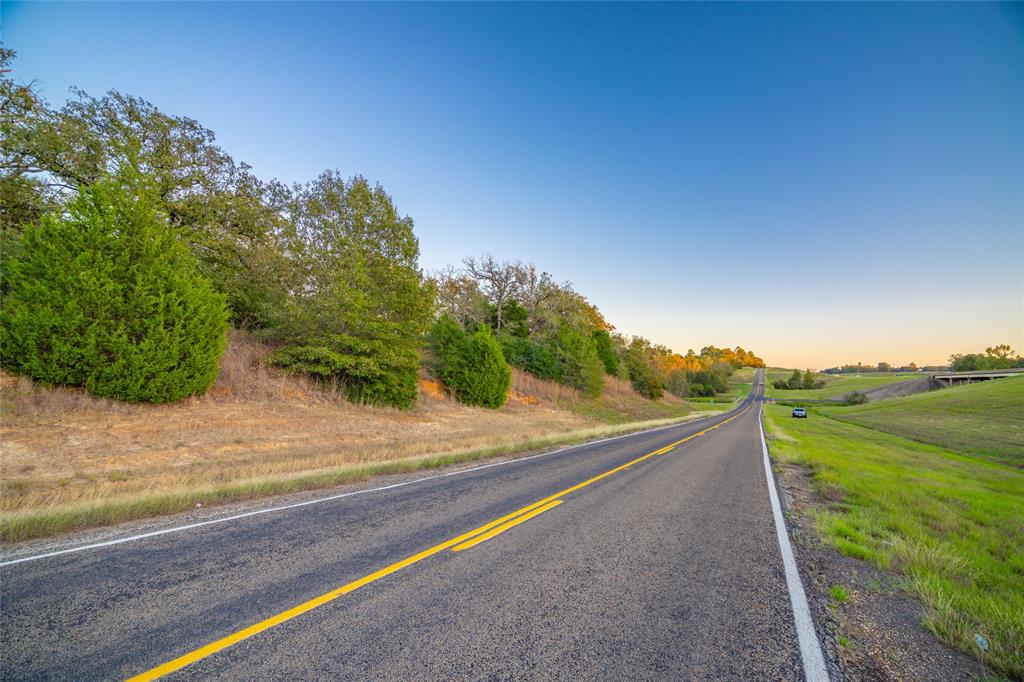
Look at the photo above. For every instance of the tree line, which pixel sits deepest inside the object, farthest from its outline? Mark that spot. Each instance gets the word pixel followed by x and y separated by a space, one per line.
pixel 129 241
pixel 799 381
pixel 1000 356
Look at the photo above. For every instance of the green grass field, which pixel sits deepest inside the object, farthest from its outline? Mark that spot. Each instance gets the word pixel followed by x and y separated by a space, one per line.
pixel 951 523
pixel 984 419
pixel 835 385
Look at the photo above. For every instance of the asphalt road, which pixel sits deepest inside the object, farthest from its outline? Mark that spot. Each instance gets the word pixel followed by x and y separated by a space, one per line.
pixel 669 568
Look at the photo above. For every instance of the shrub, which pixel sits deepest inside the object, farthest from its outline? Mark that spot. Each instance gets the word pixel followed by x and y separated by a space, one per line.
pixel 532 356
pixel 471 365
pixel 368 371
pixel 856 398
pixel 580 367
pixel 107 298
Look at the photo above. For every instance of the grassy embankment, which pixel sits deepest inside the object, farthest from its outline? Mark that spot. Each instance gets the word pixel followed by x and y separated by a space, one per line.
pixel 984 419
pixel 947 513
pixel 835 384
pixel 72 461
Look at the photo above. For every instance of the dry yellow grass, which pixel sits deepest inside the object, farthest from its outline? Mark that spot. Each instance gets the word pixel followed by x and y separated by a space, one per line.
pixel 61 446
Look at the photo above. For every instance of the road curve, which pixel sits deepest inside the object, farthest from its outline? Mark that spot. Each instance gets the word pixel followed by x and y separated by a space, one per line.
pixel 652 556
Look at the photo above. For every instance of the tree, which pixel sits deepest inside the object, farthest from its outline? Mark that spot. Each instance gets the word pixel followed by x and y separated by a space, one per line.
pixel 233 222
pixel 499 280
pixel 362 296
pixel 580 367
pixel 638 358
pixel 105 296
pixel 1001 352
pixel 460 296
pixel 471 365
pixel 678 383
pixel 606 351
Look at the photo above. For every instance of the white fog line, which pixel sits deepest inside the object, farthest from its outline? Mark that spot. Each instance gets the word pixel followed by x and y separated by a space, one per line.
pixel 320 500
pixel 810 648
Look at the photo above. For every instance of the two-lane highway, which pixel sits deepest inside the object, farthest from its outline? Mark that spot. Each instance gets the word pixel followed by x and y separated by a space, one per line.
pixel 651 556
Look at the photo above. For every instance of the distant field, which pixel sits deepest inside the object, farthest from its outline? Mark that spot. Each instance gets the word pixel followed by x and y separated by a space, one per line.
pixel 835 384
pixel 952 524
pixel 984 419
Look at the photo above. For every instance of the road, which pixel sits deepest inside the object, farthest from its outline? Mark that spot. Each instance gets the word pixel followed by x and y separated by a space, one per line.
pixel 651 556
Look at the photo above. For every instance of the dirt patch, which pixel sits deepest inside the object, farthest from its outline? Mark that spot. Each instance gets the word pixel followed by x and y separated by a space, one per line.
pixel 876 633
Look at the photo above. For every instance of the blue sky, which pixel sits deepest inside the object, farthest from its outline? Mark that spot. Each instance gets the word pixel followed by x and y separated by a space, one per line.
pixel 822 183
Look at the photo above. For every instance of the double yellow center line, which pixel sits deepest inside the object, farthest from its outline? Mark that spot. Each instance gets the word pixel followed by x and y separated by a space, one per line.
pixel 456 544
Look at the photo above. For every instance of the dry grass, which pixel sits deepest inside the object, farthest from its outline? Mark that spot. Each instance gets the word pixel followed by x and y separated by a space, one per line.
pixel 529 389
pixel 61 447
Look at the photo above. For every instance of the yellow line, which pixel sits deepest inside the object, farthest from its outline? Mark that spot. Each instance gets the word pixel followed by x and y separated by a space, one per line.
pixel 504 527
pixel 537 507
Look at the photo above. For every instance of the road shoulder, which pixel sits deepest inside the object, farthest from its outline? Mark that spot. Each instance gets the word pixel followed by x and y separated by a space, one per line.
pixel 876 634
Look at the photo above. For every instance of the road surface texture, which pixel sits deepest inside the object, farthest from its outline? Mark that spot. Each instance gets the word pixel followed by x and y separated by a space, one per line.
pixel 666 568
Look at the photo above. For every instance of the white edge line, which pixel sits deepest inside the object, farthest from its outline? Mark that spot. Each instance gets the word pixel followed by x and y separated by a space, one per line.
pixel 810 648
pixel 319 500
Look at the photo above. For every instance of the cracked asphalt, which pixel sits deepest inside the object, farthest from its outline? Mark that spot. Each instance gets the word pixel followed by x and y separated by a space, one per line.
pixel 669 569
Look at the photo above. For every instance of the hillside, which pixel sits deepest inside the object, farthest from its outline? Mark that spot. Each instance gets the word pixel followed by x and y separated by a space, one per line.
pixel 64 449
pixel 982 419
pixel 835 386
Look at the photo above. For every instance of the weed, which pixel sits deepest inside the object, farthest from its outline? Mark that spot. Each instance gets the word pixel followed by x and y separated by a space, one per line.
pixel 840 594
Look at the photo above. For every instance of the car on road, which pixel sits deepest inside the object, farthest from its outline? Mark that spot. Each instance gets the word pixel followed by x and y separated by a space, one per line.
pixel 800 412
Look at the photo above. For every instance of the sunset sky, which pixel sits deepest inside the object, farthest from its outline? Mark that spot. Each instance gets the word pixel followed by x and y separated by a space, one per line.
pixel 820 183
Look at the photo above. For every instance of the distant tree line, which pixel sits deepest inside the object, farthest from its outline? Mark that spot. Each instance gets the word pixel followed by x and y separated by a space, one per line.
pixel 798 380
pixel 1001 356
pixel 129 242
pixel 880 367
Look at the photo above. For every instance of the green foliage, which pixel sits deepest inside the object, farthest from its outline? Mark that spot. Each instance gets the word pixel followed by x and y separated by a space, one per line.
pixel 533 356
pixel 798 381
pixel 1001 356
pixel 678 383
pixel 316 361
pixel 606 351
pixel 107 298
pixel 471 365
pixel 231 220
pixel 643 373
pixel 514 318
pixel 580 367
pixel 362 296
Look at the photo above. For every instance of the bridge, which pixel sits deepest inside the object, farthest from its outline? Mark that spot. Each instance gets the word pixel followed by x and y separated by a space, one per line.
pixel 956 378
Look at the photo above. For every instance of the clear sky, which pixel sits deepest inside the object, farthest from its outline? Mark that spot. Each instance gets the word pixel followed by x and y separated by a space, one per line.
pixel 820 183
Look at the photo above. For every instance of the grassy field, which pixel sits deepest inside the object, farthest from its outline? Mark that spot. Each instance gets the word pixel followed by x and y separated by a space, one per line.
pixel 952 524
pixel 984 419
pixel 835 385
pixel 70 460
